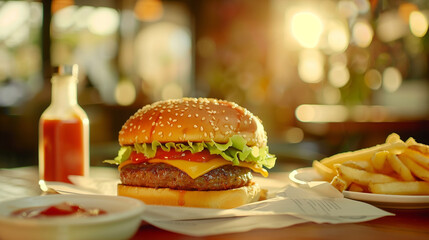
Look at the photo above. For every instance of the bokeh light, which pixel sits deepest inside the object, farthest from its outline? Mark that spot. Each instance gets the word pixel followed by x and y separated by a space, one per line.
pixel 391 27
pixel 392 79
pixel 125 93
pixel 171 91
pixel 373 79
pixel 418 24
pixel 13 14
pixel 307 29
pixel 348 9
pixel 330 95
pixel 294 135
pixel 321 113
pixel 338 75
pixel 362 34
pixel 64 18
pixel 103 21
pixel 311 66
pixel 148 10
pixel 338 37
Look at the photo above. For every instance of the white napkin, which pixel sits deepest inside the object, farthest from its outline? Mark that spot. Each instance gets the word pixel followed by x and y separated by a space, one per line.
pixel 290 205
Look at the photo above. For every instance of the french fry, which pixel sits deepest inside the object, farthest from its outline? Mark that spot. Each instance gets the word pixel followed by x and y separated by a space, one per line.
pixel 415 168
pixel 339 183
pixel 399 167
pixel 422 148
pixel 411 141
pixel 395 167
pixel 400 188
pixel 327 173
pixel 362 165
pixel 361 177
pixel 362 154
pixel 393 137
pixel 379 162
pixel 354 187
pixel 417 156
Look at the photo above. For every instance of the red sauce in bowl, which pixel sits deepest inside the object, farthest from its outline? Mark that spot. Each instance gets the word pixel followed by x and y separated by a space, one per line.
pixel 57 210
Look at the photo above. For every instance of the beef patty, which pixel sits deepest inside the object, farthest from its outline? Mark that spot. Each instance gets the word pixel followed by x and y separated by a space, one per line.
pixel 161 175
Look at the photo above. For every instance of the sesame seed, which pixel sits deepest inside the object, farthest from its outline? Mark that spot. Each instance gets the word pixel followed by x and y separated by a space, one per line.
pixel 189 115
pixel 179 126
pixel 195 126
pixel 201 128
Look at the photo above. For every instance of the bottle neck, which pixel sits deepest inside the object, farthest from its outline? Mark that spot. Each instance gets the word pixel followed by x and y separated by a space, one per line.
pixel 64 91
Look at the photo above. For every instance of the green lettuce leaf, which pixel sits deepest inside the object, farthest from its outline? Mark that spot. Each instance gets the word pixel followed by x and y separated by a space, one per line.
pixel 234 150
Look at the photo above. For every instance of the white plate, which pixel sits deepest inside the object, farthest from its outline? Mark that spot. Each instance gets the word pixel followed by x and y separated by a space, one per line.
pixel 121 221
pixel 303 175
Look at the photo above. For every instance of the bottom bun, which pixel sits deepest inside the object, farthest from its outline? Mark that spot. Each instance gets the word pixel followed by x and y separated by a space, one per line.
pixel 204 199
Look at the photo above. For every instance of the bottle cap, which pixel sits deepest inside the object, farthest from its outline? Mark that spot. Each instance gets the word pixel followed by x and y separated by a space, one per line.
pixel 66 70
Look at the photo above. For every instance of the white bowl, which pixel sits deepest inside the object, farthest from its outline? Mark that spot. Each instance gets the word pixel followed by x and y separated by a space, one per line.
pixel 122 220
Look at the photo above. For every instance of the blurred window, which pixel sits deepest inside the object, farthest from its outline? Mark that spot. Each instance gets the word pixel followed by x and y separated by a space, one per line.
pixel 20 54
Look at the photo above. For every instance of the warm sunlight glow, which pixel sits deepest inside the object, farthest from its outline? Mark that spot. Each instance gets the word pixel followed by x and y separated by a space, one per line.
pixel 306 29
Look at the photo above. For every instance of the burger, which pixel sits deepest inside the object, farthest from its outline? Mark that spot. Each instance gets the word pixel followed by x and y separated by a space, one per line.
pixel 194 152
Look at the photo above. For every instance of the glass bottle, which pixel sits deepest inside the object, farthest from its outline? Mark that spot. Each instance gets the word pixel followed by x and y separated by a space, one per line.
pixel 63 130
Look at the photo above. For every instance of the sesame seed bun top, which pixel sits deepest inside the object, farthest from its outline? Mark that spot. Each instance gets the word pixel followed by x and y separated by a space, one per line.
pixel 193 120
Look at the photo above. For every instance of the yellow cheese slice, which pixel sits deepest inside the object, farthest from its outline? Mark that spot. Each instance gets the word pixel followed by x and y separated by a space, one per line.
pixel 196 169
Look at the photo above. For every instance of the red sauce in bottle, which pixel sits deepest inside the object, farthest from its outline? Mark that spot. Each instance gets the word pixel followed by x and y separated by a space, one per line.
pixel 63 149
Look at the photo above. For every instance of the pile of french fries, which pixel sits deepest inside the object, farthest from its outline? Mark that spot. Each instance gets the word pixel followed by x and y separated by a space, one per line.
pixel 395 167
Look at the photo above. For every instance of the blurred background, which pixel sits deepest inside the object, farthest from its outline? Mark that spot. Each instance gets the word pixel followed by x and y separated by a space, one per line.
pixel 324 76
